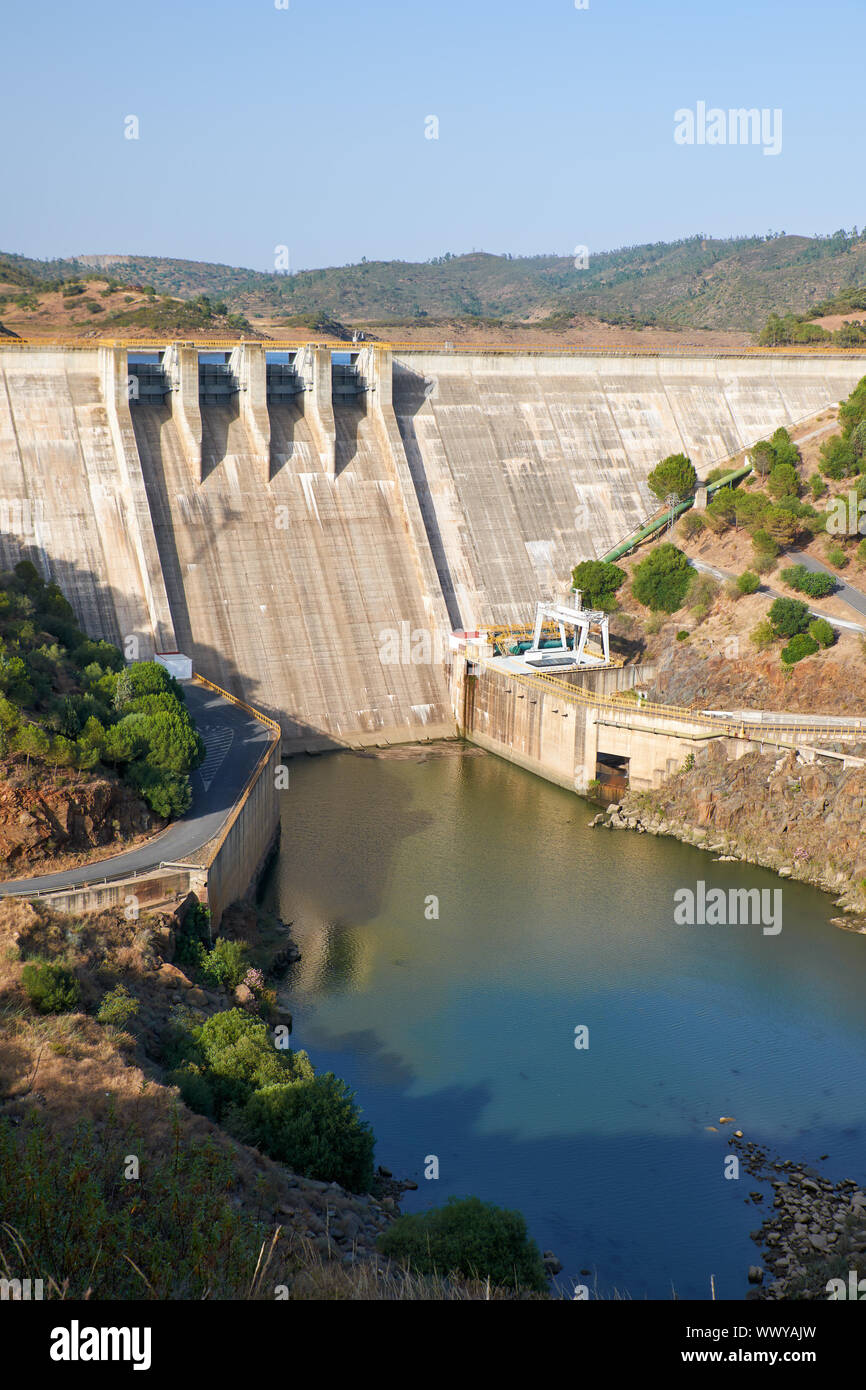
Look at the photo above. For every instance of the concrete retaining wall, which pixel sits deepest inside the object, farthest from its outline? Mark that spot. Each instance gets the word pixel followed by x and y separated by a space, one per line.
pixel 143 891
pixel 236 859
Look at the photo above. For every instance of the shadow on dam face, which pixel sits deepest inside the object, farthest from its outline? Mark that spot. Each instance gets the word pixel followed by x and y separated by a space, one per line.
pixel 415 390
pixel 95 605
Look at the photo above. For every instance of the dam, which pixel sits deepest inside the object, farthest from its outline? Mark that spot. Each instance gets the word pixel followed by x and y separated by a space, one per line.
pixel 278 512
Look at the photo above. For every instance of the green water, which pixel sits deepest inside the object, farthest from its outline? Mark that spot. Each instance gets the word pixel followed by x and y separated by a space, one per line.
pixel 458 1033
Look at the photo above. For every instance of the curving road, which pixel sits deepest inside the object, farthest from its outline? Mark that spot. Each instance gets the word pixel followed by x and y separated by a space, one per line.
pixel 234 742
pixel 855 598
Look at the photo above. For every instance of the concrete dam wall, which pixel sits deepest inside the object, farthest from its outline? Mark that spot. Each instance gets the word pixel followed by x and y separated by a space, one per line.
pixel 526 464
pixel 305 530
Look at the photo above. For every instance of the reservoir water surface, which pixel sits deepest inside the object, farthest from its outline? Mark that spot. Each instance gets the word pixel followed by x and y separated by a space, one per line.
pixel 457 1031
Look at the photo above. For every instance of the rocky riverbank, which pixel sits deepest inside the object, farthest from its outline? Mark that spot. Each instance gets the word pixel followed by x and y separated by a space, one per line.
pixel 815 1233
pixel 800 814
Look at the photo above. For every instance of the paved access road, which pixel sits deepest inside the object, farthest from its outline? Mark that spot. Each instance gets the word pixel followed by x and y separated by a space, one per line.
pixel 854 597
pixel 234 742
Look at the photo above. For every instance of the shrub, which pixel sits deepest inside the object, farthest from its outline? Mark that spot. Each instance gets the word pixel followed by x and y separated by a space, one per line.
pixel 662 579
pixel 818 486
pixel 675 473
pixel 225 965
pixel 51 989
pixel 721 512
pixel 118 1007
pixel 788 616
pixel 235 1055
pixel 837 458
pixel 194 934
pixel 814 583
pixel 748 582
pixel 702 593
pixel 195 1090
pixel 182 1227
pixel 836 556
pixel 800 645
pixel 314 1127
pixel 822 633
pixel 470 1238
pixel 784 449
pixel 762 635
pixel 763 544
pixel 683 634
pixel 690 525
pixel 762 457
pixel 861 553
pixel 598 581
pixel 780 525
pixel 783 481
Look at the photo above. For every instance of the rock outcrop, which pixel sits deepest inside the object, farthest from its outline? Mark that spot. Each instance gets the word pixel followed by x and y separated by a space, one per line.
pixel 41 822
pixel 806 819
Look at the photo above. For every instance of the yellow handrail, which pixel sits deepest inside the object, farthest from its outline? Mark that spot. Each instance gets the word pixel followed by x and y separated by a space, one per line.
pixel 241 704
pixel 715 722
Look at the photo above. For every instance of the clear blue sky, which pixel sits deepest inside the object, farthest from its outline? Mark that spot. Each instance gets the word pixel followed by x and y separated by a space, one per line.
pixel 305 127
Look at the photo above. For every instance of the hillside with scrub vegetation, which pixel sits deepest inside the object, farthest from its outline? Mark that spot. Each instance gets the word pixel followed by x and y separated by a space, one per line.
pixel 160 1138
pixel 94 753
pixel 744 634
pixel 741 632
pixel 773 285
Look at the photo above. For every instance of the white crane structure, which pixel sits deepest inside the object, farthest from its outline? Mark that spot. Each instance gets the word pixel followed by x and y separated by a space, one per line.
pixel 578 621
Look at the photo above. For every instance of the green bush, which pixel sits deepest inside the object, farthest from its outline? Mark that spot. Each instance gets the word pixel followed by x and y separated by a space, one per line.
pixel 783 481
pixel 814 583
pixel 762 635
pixel 195 1090
pixel 683 634
pixel 762 457
pixel 722 511
pixel 51 988
pixel 226 964
pixel 789 616
pixel 117 1007
pixel 134 718
pixel 822 632
pixel 235 1054
pixel 784 449
pixel 800 645
pixel 861 553
pixel 470 1238
pixel 193 935
pixel 598 581
pixel 764 544
pixel 675 474
pixel 818 486
pixel 838 459
pixel 661 581
pixel 836 556
pixel 313 1127
pixel 748 582
pixel 702 593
